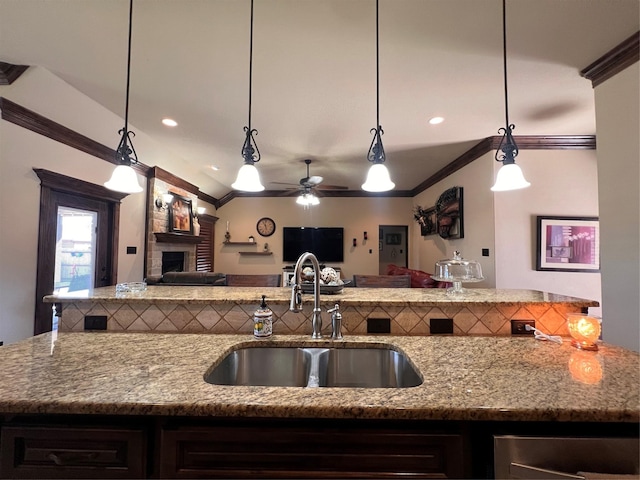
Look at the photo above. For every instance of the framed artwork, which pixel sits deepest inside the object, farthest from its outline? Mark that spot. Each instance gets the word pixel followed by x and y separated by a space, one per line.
pixel 428 223
pixel 180 215
pixel 393 238
pixel 449 218
pixel 568 244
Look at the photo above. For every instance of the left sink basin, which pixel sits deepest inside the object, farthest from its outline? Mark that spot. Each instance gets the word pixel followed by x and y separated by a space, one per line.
pixel 267 366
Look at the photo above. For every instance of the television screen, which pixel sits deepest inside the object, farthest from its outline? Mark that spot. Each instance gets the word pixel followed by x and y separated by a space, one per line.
pixel 326 243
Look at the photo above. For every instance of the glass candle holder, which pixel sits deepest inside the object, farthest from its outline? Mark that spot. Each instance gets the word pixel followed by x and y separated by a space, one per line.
pixel 585 368
pixel 584 329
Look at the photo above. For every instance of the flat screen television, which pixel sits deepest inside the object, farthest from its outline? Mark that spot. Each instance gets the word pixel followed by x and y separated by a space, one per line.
pixel 326 243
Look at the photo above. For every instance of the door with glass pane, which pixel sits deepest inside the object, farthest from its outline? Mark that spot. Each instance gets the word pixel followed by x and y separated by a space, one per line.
pixel 75 260
pixel 75 248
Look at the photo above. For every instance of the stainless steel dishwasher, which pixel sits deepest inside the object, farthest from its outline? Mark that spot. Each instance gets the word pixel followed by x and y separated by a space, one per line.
pixel 565 457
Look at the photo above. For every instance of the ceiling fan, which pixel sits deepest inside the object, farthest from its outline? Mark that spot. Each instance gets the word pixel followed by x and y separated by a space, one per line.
pixel 309 184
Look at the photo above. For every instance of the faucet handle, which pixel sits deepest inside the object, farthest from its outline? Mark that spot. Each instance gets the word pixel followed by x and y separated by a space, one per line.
pixel 336 322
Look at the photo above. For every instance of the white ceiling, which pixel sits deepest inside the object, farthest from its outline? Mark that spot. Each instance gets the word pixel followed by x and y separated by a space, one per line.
pixel 314 85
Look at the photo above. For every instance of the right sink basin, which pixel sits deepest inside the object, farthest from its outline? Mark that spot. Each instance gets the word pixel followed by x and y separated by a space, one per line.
pixel 366 368
pixel 315 367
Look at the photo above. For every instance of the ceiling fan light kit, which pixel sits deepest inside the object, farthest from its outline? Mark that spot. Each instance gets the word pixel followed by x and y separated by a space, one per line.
pixel 248 179
pixel 510 176
pixel 124 178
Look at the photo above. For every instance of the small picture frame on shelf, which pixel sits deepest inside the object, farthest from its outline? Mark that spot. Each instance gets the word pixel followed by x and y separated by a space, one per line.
pixel 180 215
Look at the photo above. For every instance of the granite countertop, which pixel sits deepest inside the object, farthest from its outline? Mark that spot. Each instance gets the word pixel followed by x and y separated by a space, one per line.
pixel 464 378
pixel 348 297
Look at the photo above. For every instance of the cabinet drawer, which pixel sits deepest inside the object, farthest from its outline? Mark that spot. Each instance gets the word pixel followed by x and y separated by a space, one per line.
pixel 71 452
pixel 254 452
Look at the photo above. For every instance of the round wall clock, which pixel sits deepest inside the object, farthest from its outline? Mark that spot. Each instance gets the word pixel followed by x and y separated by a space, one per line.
pixel 266 226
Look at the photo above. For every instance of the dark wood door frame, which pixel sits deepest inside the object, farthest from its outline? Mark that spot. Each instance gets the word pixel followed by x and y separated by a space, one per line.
pixel 54 188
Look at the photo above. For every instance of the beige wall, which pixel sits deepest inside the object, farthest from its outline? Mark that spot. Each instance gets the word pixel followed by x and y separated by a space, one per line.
pixel 563 183
pixel 476 180
pixel 22 150
pixel 355 215
pixel 617 119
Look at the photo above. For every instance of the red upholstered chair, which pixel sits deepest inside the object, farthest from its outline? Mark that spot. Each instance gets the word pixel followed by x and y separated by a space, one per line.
pixel 419 279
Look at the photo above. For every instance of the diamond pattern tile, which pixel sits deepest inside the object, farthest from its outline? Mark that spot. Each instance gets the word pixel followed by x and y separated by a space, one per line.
pixel 464 319
pixel 479 329
pixel 230 318
pixel 208 317
pixel 493 320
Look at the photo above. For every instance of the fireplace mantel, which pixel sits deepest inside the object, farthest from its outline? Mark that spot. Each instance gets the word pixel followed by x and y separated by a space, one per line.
pixel 171 237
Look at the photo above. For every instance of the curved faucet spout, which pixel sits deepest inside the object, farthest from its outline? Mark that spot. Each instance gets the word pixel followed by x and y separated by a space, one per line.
pixel 296 292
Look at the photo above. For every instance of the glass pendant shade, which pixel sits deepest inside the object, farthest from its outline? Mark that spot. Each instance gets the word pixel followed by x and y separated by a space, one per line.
pixel 378 179
pixel 124 179
pixel 307 199
pixel 510 177
pixel 248 179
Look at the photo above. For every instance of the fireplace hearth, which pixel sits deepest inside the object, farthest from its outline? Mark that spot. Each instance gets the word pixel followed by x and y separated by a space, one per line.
pixel 173 262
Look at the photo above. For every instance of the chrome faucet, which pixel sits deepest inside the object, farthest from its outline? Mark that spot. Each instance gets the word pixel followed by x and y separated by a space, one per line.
pixel 296 292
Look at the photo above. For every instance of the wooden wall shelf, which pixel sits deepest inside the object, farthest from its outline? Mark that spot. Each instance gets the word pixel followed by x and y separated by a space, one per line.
pixel 255 253
pixel 239 243
pixel 172 237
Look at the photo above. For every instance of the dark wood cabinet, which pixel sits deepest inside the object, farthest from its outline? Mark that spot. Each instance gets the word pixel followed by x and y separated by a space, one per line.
pixel 98 446
pixel 262 448
pixel 45 451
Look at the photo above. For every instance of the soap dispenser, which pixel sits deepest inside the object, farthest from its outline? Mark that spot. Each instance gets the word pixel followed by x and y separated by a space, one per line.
pixel 263 320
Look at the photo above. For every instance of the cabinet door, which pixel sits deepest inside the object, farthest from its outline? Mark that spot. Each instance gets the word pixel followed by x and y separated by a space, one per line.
pixel 71 452
pixel 268 451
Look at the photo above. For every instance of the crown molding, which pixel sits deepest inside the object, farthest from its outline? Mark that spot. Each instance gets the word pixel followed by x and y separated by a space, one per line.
pixel 9 73
pixel 19 115
pixel 614 61
pixel 524 142
pixel 14 113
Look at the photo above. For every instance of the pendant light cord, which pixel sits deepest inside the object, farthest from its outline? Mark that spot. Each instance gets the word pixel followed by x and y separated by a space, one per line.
pixel 126 106
pixel 504 60
pixel 250 62
pixel 377 71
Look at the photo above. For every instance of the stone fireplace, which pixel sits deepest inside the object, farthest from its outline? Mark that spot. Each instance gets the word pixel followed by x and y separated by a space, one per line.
pixel 173 261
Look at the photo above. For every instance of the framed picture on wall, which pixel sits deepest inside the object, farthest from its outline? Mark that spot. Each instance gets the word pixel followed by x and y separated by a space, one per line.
pixel 180 214
pixel 428 224
pixel 449 218
pixel 393 239
pixel 568 244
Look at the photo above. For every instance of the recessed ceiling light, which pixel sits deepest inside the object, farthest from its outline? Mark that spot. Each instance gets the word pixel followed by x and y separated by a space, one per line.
pixel 169 122
pixel 436 120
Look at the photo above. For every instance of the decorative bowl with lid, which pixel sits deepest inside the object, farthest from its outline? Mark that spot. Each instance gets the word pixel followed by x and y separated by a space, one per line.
pixel 457 270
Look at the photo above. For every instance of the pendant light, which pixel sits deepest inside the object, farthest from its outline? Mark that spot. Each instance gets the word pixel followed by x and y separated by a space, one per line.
pixel 378 179
pixel 124 178
pixel 248 179
pixel 510 175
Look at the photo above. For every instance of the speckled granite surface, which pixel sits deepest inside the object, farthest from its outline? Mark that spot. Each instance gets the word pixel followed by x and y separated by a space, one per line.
pixel 464 378
pixel 228 310
pixel 349 296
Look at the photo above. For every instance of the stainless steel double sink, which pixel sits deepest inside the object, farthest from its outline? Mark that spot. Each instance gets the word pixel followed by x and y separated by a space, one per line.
pixel 315 367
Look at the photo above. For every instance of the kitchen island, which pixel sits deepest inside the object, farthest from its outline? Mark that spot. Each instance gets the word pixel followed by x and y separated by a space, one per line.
pixel 228 310
pixel 145 395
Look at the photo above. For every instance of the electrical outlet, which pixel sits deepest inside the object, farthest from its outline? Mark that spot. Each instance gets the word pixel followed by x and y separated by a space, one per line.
pixel 517 327
pixel 378 325
pixel 95 322
pixel 441 325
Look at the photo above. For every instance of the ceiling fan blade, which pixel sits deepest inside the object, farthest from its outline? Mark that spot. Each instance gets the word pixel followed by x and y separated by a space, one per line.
pixel 289 192
pixel 332 187
pixel 285 183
